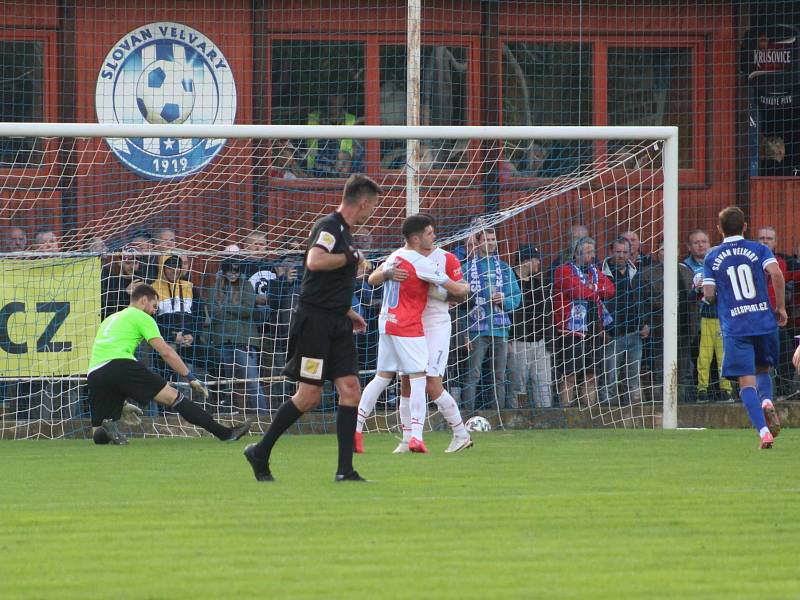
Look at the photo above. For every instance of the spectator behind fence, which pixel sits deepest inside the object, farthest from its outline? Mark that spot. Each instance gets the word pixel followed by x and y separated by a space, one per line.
pixel 163 244
pixel 769 237
pixel 688 334
pixel 119 278
pixel 321 156
pixel 138 241
pixel 15 240
pixel 45 240
pixel 652 355
pixel 710 347
pixel 235 331
pixel 268 279
pixel 178 317
pixel 629 327
pixel 164 240
pixel 579 289
pixel 526 160
pixel 638 259
pixel 290 274
pixel 364 297
pixel 494 292
pixel 370 299
pixel 260 272
pixel 577 231
pixel 529 359
pixel 343 165
pixel 96 245
pixel 285 163
pixel 688 279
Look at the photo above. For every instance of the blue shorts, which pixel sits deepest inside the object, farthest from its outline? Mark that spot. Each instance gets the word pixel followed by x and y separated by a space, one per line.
pixel 742 354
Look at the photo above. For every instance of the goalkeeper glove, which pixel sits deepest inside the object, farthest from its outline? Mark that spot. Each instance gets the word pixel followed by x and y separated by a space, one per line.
pixel 196 386
pixel 131 415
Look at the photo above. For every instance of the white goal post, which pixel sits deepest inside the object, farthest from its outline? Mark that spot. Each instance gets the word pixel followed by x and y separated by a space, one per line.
pixel 666 135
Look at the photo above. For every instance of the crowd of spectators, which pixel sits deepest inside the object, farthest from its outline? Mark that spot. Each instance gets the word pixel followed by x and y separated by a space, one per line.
pixel 583 328
pixel 589 329
pixel 340 157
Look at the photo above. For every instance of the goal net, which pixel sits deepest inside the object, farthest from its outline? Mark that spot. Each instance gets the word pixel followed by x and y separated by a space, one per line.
pixel 224 249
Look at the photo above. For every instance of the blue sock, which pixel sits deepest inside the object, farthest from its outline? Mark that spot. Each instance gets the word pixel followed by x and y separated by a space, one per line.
pixel 751 402
pixel 764 386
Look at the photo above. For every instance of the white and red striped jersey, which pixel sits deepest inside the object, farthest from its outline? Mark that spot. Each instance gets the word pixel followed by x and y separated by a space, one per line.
pixel 404 301
pixel 437 312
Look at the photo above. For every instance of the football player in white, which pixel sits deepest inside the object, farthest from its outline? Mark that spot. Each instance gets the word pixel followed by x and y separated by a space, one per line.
pixel 438 328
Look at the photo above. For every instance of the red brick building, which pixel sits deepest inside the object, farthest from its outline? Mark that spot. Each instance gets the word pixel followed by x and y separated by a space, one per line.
pixel 581 64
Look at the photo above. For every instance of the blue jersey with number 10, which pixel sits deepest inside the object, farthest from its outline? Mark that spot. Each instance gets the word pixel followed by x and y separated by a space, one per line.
pixel 736 267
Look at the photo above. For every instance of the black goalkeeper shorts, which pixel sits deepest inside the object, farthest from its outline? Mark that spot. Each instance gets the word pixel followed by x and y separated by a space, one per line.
pixel 321 346
pixel 116 381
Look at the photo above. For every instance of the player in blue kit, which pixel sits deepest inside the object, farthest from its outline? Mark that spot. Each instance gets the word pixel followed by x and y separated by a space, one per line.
pixel 735 275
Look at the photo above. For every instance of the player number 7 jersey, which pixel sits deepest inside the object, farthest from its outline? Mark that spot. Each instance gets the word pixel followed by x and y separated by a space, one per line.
pixel 437 312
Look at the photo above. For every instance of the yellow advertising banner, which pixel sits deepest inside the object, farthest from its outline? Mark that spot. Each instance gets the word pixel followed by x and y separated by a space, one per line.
pixel 49 313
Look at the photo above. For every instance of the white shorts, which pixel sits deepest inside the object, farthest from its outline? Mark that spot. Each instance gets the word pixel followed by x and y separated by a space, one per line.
pixel 438 341
pixel 402 354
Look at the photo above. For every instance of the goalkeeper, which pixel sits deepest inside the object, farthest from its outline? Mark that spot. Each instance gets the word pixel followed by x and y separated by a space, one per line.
pixel 114 374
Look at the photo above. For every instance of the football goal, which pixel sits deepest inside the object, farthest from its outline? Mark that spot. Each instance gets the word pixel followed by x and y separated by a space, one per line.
pixel 561 232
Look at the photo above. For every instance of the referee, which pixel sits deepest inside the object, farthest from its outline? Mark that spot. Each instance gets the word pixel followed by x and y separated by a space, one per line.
pixel 115 374
pixel 321 345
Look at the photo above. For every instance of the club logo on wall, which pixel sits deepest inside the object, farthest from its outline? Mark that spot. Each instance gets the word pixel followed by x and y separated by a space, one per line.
pixel 165 73
pixel 771 56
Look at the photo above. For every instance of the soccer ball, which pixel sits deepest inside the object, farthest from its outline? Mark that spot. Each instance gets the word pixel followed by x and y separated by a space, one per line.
pixel 477 424
pixel 165 92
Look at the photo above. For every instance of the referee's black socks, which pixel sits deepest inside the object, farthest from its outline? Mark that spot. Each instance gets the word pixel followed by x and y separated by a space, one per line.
pixel 346 417
pixel 197 416
pixel 285 417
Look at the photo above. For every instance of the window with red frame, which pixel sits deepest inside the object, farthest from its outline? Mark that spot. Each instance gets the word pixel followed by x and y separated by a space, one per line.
pixel 651 86
pixel 566 83
pixel 547 83
pixel 318 83
pixel 22 97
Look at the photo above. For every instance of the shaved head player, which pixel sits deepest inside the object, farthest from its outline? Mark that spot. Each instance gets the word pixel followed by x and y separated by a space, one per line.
pixel 321 345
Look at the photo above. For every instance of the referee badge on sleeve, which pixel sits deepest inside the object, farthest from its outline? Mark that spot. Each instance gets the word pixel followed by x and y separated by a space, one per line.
pixel 311 367
pixel 326 240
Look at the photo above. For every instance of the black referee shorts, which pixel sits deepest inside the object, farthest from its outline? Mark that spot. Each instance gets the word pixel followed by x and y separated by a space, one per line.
pixel 321 347
pixel 113 383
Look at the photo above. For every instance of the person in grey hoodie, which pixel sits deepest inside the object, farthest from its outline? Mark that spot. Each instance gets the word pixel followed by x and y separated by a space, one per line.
pixel 235 330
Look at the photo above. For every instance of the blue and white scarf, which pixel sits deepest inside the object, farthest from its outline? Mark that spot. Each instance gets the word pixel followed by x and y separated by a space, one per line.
pixel 480 289
pixel 578 321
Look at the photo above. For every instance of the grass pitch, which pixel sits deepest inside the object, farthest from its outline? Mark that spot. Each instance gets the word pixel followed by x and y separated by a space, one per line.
pixel 532 514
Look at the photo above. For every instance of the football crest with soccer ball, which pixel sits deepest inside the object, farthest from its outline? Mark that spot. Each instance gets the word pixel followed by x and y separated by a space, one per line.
pixel 165 73
pixel 477 423
pixel 165 92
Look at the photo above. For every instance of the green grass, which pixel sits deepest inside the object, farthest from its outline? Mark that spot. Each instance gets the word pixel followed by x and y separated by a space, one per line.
pixel 548 514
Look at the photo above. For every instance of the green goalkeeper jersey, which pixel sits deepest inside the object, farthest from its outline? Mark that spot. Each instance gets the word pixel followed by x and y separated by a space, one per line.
pixel 120 334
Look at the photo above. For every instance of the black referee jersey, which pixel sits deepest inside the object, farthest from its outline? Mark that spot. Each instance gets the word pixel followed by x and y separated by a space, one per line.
pixel 330 291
